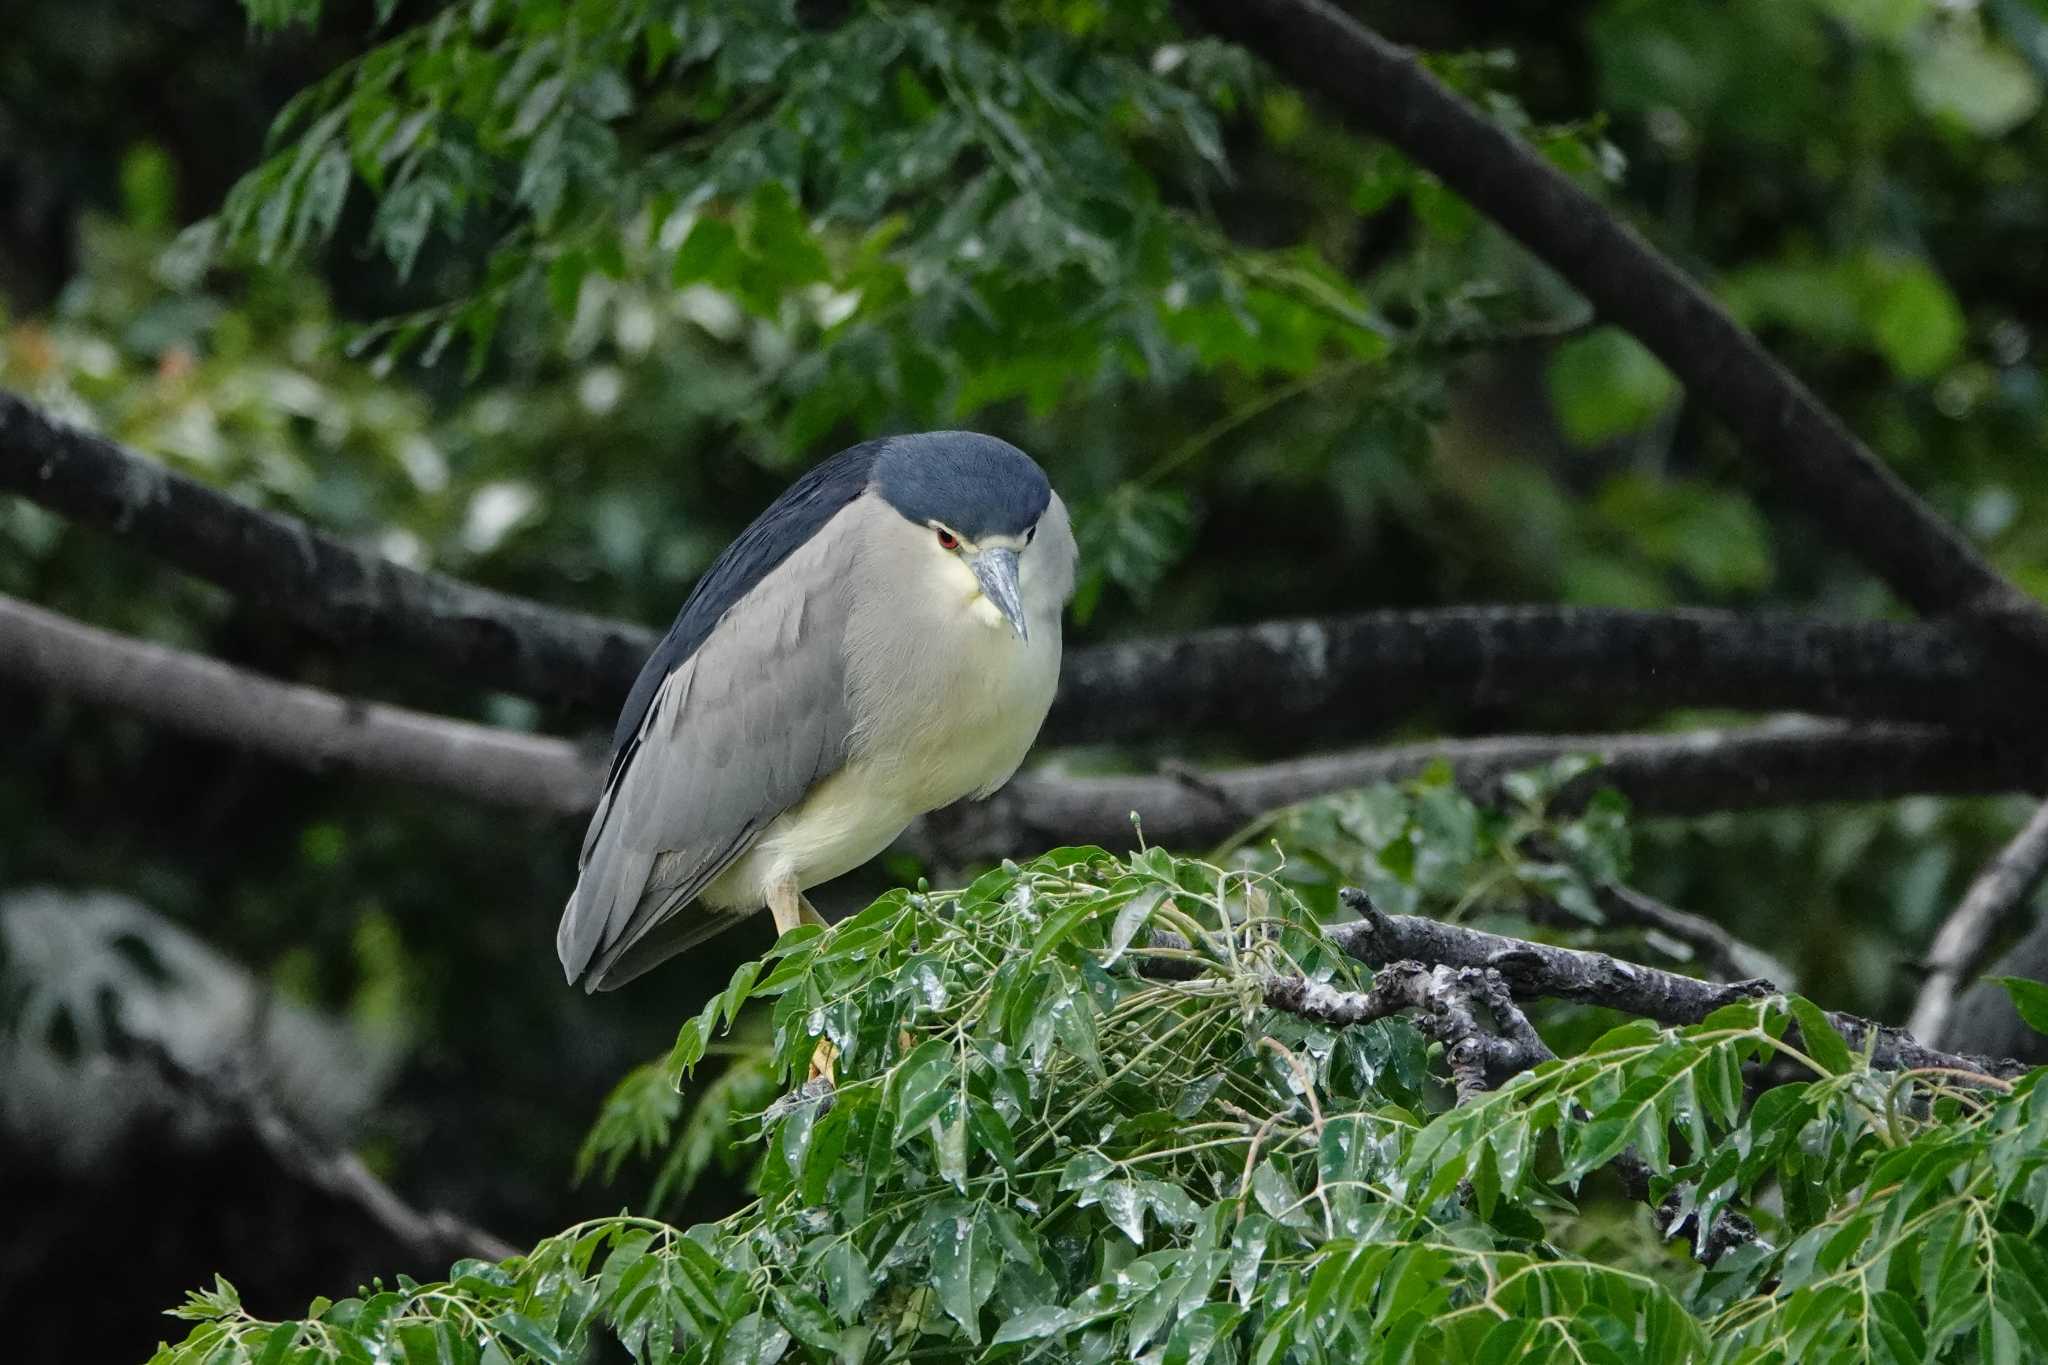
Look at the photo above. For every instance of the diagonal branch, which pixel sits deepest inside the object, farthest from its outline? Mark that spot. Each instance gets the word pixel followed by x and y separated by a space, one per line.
pixel 301 725
pixel 1964 940
pixel 1383 90
pixel 1280 682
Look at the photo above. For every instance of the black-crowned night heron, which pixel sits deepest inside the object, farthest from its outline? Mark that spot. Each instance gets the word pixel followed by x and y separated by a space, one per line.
pixel 882 641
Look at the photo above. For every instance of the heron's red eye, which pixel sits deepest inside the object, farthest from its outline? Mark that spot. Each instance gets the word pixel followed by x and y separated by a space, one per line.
pixel 947 540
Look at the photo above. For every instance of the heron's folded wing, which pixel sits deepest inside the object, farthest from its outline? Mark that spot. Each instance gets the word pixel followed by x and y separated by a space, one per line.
pixel 738 732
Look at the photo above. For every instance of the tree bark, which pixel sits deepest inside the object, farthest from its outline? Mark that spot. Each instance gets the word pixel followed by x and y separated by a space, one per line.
pixel 1542 971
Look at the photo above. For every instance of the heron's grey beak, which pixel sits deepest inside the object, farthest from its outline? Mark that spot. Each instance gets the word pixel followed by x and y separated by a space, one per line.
pixel 997 570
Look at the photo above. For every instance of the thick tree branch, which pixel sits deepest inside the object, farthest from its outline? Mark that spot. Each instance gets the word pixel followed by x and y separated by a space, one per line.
pixel 1783 764
pixel 1541 971
pixel 1330 680
pixel 1791 763
pixel 1964 940
pixel 1984 1019
pixel 301 725
pixel 1349 676
pixel 1383 90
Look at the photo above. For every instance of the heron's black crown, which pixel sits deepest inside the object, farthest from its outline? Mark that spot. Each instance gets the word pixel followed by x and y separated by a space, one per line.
pixel 977 485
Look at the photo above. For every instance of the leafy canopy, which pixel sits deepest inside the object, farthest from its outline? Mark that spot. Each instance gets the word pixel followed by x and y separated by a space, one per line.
pixel 1035 1149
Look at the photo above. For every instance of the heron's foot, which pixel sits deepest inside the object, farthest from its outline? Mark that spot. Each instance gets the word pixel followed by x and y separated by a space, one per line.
pixel 824 1060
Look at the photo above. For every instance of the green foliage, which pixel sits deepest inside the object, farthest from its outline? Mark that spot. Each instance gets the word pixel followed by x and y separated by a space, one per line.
pixel 959 204
pixel 1035 1149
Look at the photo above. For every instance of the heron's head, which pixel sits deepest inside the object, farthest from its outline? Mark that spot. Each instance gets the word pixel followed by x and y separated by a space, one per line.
pixel 980 501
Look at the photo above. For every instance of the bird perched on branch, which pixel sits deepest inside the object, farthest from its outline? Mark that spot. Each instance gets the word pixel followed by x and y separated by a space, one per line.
pixel 882 641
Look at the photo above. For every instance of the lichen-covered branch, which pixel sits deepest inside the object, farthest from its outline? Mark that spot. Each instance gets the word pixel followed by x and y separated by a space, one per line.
pixel 1536 971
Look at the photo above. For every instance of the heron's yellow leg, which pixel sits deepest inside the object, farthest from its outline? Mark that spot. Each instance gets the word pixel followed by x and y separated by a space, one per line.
pixel 787 904
pixel 791 907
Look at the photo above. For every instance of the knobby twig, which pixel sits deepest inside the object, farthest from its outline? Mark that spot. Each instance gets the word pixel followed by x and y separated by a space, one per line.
pixel 1383 90
pixel 1535 971
pixel 435 1236
pixel 1719 952
pixel 1990 906
pixel 1285 682
pixel 1486 1038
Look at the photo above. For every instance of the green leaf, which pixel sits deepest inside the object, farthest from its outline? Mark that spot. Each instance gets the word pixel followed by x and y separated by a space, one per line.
pixel 848 1281
pixel 1985 87
pixel 530 1337
pixel 925 1080
pixel 1604 385
pixel 799 1311
pixel 1199 1333
pixel 1916 321
pixel 1821 1041
pixel 964 1263
pixel 2030 998
pixel 755 1339
pixel 1033 1324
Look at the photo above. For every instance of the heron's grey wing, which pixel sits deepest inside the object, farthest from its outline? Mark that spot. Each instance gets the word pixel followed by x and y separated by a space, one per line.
pixel 738 733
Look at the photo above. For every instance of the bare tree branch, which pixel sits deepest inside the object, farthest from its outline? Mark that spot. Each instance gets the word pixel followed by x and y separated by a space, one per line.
pixel 1542 971
pixel 1281 682
pixel 1964 940
pixel 1355 675
pixel 301 725
pixel 1383 90
pixel 1777 764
